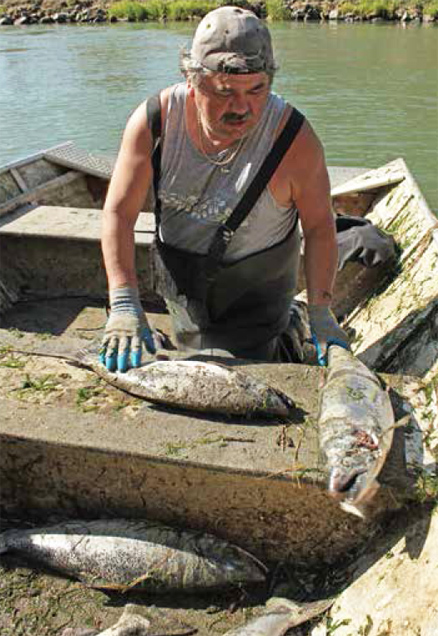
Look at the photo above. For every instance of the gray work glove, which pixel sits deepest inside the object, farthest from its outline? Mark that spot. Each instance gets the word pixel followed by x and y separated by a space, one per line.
pixel 125 332
pixel 325 331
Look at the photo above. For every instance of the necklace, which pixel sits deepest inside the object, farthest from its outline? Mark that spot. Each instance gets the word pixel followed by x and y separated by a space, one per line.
pixel 224 161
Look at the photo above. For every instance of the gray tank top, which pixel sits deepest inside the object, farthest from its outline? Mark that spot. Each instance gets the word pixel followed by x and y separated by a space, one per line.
pixel 197 196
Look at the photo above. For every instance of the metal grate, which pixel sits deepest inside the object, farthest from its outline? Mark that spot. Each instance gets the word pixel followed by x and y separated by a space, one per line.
pixel 71 156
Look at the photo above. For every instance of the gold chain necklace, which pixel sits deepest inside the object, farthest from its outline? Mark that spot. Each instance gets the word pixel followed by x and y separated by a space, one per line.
pixel 217 162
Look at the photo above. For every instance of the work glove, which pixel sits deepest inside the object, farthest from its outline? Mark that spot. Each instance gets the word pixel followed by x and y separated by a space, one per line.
pixel 325 331
pixel 297 332
pixel 125 332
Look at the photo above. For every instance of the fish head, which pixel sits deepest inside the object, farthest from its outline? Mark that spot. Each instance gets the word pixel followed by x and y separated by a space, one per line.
pixel 352 486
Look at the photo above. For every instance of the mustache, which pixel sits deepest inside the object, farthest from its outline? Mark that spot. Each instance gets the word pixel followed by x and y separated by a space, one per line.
pixel 235 117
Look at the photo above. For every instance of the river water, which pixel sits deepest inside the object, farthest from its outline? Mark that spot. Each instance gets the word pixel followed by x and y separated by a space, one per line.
pixel 370 91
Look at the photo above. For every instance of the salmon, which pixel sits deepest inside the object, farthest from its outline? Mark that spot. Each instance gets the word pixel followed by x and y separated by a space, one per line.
pixel 189 384
pixel 122 554
pixel 356 425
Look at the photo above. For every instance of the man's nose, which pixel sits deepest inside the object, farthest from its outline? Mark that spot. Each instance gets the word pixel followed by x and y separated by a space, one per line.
pixel 239 104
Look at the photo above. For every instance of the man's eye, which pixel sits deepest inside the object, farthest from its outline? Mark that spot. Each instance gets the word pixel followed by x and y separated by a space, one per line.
pixel 257 90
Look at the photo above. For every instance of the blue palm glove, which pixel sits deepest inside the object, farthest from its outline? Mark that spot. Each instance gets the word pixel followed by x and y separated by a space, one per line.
pixel 325 331
pixel 125 332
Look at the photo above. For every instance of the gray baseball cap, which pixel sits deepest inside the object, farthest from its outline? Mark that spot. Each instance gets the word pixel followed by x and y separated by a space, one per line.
pixel 233 40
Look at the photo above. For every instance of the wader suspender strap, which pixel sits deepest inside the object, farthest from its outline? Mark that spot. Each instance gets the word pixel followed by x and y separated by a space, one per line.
pixel 225 231
pixel 153 112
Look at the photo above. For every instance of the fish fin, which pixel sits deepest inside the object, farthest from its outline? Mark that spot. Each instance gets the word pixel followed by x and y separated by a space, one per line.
pixel 403 421
pixel 250 556
pixel 358 507
pixel 356 510
pixel 113 587
pixel 300 611
pixel 138 581
pixel 83 356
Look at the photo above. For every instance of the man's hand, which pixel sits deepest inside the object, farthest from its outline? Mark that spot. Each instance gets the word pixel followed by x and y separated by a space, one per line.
pixel 325 331
pixel 125 332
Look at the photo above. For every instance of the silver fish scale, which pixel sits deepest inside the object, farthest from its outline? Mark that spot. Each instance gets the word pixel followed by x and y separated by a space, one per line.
pixel 121 554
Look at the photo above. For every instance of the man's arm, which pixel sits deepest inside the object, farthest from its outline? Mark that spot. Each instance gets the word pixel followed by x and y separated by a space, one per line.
pixel 311 193
pixel 126 195
pixel 127 328
pixel 310 189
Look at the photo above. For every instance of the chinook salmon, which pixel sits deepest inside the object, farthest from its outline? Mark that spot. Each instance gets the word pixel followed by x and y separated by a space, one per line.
pixel 123 554
pixel 280 616
pixel 356 425
pixel 192 385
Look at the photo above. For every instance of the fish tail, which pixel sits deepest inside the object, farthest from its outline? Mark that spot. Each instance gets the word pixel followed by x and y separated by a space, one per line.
pixel 88 356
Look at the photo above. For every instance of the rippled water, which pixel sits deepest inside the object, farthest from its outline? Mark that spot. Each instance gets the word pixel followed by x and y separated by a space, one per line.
pixel 370 91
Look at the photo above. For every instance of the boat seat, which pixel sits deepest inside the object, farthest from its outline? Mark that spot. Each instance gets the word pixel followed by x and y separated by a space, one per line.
pixel 80 224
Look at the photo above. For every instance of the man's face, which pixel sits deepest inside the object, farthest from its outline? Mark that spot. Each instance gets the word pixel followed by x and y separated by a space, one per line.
pixel 230 105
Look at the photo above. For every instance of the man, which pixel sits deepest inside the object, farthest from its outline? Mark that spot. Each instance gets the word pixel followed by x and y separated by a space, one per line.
pixel 217 129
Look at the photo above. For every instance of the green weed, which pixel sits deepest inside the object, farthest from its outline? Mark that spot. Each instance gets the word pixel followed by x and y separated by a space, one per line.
pixel 188 9
pixel 13 363
pixel 85 393
pixel 277 10
pixel 426 486
pixel 130 10
pixel 43 384
pixel 431 8
pixel 333 625
pixel 174 448
pixel 159 10
pixel 16 332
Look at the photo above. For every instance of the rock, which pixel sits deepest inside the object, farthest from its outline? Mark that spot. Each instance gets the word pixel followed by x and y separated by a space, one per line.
pixel 312 13
pixel 6 21
pixel 47 19
pixel 396 586
pixel 298 14
pixel 60 18
pixel 334 14
pixel 406 17
pixel 24 19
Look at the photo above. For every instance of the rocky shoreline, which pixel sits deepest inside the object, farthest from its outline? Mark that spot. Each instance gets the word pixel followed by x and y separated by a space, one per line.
pixel 92 12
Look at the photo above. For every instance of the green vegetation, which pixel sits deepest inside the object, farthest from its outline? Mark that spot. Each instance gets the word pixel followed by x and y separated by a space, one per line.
pixel 42 384
pixel 431 8
pixel 86 393
pixel 333 625
pixel 187 9
pixel 159 10
pixel 179 10
pixel 386 9
pixel 426 486
pixel 276 10
pixel 13 363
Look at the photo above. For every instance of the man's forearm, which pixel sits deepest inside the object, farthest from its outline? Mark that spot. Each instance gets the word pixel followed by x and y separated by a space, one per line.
pixel 118 247
pixel 320 264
